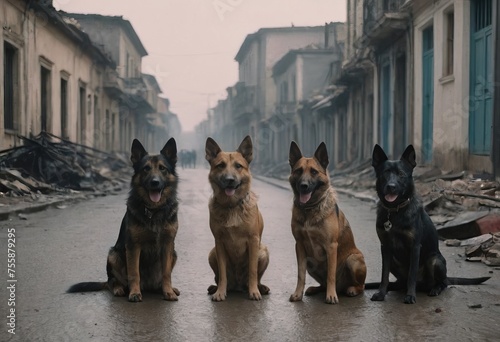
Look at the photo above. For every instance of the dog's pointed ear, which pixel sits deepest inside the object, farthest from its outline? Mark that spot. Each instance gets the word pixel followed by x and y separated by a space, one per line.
pixel 211 149
pixel 170 151
pixel 321 155
pixel 138 152
pixel 409 156
pixel 295 154
pixel 378 156
pixel 246 149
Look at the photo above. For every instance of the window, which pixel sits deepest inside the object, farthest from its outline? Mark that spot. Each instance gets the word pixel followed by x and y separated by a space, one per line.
pixel 10 85
pixel 44 97
pixel 449 51
pixel 284 92
pixel 64 108
pixel 81 111
pixel 294 88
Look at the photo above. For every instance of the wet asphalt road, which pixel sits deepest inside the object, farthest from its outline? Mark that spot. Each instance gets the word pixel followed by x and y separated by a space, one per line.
pixel 59 247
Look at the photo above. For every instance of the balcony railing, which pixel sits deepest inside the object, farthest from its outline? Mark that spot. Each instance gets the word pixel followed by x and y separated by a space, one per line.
pixel 244 101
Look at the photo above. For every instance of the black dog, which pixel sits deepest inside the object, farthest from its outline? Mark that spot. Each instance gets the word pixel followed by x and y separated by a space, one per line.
pixel 144 256
pixel 410 249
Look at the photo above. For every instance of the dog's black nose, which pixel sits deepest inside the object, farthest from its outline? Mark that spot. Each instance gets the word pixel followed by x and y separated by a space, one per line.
pixel 154 183
pixel 229 180
pixel 391 187
pixel 303 186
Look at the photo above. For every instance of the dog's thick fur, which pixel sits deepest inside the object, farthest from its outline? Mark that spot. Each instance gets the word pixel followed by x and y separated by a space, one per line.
pixel 324 240
pixel 144 256
pixel 409 240
pixel 238 259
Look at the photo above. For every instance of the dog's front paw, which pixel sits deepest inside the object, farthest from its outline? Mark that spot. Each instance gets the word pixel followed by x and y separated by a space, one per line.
pixel 170 296
pixel 219 296
pixel 409 299
pixel 332 299
pixel 379 296
pixel 119 291
pixel 296 297
pixel 135 297
pixel 255 295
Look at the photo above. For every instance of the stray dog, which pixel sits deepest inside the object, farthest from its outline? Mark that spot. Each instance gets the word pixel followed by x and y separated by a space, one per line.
pixel 238 259
pixel 144 256
pixel 410 249
pixel 324 242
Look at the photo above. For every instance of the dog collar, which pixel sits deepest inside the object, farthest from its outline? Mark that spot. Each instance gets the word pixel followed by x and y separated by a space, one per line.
pixel 396 209
pixel 148 213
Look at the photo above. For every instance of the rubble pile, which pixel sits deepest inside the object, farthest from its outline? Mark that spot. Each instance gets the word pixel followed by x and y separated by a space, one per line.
pixel 47 163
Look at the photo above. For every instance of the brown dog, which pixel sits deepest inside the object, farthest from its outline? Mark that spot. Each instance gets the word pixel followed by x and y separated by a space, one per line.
pixel 238 259
pixel 324 241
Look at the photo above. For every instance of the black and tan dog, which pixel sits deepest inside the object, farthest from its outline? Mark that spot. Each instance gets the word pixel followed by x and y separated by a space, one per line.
pixel 238 259
pixel 144 256
pixel 410 249
pixel 324 242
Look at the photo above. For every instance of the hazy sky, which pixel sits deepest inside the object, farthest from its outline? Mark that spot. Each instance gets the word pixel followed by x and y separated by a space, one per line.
pixel 192 43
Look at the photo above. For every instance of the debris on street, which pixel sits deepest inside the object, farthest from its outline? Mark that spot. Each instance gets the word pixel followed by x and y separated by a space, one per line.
pixel 47 164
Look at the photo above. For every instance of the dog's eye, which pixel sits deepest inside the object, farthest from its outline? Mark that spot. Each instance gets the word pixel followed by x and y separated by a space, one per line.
pixel 298 171
pixel 238 165
pixel 402 174
pixel 147 168
pixel 162 168
pixel 221 166
pixel 314 172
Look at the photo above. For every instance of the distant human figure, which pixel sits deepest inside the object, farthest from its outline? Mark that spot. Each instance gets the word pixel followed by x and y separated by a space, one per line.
pixel 188 158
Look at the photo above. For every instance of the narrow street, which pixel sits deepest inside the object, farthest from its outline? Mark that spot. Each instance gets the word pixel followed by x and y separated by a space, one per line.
pixel 59 247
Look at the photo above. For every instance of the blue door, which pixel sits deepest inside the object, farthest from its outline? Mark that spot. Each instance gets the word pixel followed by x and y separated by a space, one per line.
pixel 427 93
pixel 481 97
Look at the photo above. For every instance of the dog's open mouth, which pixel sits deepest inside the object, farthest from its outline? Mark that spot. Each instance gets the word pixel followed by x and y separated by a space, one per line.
pixel 391 197
pixel 230 190
pixel 155 195
pixel 305 197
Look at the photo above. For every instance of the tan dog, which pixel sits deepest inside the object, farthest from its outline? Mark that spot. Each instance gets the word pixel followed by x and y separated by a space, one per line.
pixel 238 259
pixel 324 241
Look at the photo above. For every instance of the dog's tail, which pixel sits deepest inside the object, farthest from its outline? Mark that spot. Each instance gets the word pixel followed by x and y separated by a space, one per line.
pixel 465 281
pixel 88 287
pixel 393 286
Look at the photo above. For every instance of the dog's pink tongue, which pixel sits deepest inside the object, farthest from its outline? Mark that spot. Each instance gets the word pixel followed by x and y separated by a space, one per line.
pixel 305 197
pixel 390 197
pixel 230 192
pixel 155 196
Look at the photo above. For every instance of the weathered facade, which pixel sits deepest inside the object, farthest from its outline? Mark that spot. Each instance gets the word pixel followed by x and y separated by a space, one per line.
pixel 453 81
pixel 254 99
pixel 307 107
pixel 120 40
pixel 53 76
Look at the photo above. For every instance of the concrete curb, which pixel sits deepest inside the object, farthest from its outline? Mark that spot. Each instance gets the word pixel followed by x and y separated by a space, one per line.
pixel 9 211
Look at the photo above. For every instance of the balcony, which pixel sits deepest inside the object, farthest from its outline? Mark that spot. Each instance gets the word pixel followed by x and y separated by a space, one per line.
pixel 136 95
pixel 383 20
pixel 244 101
pixel 286 108
pixel 113 84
